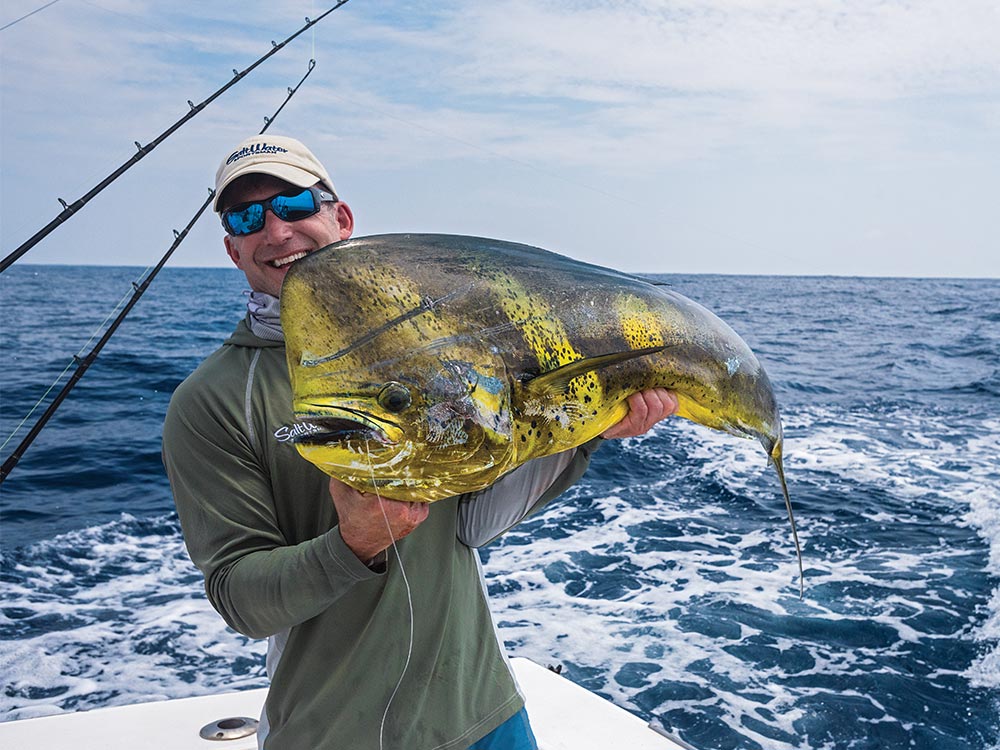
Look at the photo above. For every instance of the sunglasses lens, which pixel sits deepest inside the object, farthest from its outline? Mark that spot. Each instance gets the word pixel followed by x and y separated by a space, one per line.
pixel 249 218
pixel 294 207
pixel 246 220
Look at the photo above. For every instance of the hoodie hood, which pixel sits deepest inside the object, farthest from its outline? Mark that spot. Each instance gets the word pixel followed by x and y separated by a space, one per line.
pixel 244 336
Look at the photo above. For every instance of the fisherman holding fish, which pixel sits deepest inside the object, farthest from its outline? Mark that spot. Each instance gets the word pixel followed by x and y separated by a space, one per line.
pixel 379 632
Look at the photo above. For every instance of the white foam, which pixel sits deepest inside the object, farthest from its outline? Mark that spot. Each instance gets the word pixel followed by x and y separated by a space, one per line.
pixel 909 458
pixel 984 516
pixel 140 630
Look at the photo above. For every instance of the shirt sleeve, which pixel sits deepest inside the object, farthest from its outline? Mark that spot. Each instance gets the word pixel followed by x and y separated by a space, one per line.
pixel 258 581
pixel 485 515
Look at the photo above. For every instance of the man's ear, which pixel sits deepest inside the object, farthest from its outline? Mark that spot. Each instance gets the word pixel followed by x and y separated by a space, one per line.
pixel 345 219
pixel 232 250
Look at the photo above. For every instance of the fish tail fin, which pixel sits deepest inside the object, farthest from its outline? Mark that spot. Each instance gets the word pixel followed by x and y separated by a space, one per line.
pixel 775 459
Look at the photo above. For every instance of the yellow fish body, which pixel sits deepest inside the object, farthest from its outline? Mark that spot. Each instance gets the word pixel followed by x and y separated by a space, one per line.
pixel 458 357
pixel 427 366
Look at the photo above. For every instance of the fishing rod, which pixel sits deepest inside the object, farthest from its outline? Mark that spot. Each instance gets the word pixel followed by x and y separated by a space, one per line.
pixel 71 208
pixel 84 363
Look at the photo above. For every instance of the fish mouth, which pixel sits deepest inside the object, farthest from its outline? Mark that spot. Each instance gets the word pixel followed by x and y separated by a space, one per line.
pixel 342 426
pixel 326 430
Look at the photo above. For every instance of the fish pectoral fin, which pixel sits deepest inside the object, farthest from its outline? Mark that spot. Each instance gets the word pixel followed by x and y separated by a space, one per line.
pixel 557 380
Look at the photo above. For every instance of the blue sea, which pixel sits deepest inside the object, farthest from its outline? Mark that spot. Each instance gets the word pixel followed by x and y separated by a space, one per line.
pixel 665 580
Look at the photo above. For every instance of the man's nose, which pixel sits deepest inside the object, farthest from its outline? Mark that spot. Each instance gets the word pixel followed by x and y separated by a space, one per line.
pixel 275 229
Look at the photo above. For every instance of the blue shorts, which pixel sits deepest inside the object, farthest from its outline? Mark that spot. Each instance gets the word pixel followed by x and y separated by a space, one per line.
pixel 513 734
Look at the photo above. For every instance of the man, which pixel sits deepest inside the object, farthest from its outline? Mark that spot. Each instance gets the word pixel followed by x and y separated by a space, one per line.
pixel 379 634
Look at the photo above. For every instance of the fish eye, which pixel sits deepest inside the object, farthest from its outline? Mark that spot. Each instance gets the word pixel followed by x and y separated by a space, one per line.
pixel 394 397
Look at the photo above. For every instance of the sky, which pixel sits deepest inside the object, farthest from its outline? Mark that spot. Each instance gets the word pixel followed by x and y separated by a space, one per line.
pixel 845 137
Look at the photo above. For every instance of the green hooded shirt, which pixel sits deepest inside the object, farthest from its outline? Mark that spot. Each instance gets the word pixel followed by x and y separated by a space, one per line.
pixel 259 523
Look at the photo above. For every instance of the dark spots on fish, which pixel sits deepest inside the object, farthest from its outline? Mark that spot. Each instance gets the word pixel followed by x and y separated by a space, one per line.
pixel 587 399
pixel 524 438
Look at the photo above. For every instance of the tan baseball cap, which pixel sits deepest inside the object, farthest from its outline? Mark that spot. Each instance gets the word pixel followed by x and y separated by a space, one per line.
pixel 276 155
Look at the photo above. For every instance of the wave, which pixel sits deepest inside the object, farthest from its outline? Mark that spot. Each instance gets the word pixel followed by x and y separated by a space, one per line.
pixel 687 580
pixel 111 615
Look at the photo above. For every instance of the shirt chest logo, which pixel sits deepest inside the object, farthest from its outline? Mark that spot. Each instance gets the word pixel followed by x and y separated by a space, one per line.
pixel 286 433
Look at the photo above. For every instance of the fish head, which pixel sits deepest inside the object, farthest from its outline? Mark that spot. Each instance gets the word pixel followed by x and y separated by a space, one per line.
pixel 414 428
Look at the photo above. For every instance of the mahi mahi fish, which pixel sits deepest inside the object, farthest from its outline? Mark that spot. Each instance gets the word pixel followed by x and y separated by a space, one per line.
pixel 427 366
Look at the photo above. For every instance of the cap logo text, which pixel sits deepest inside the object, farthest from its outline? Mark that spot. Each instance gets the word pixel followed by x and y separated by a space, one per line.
pixel 255 150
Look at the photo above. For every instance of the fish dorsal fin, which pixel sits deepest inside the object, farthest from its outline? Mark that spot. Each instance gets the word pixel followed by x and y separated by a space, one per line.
pixel 557 380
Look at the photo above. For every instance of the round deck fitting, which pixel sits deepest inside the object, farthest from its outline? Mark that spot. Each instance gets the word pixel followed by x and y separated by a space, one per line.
pixel 232 728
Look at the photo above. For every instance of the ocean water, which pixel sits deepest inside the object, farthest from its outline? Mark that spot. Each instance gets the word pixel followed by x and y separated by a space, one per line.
pixel 665 580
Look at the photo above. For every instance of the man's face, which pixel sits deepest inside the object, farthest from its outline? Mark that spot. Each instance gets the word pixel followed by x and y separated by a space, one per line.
pixel 266 256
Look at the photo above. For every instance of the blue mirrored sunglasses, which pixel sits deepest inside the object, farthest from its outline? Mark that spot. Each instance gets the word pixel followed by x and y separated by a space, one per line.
pixel 291 205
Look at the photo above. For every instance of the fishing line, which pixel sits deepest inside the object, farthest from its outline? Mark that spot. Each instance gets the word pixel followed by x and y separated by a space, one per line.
pixel 409 596
pixel 312 11
pixel 142 20
pixel 77 358
pixel 26 15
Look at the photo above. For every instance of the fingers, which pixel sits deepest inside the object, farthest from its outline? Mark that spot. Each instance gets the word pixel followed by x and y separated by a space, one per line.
pixel 369 523
pixel 646 408
pixel 403 517
pixel 660 403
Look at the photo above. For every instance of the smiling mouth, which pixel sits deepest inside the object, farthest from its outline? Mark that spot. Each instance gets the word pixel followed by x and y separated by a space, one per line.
pixel 282 262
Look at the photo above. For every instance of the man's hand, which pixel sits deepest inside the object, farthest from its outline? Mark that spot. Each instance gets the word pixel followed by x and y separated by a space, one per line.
pixel 370 524
pixel 645 409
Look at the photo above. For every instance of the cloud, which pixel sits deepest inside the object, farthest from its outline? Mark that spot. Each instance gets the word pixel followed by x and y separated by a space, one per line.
pixel 850 49
pixel 614 84
pixel 635 87
pixel 696 109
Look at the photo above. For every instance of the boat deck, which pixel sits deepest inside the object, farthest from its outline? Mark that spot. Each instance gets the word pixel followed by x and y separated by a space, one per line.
pixel 564 716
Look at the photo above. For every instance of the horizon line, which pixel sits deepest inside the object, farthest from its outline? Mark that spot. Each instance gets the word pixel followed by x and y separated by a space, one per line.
pixel 636 273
